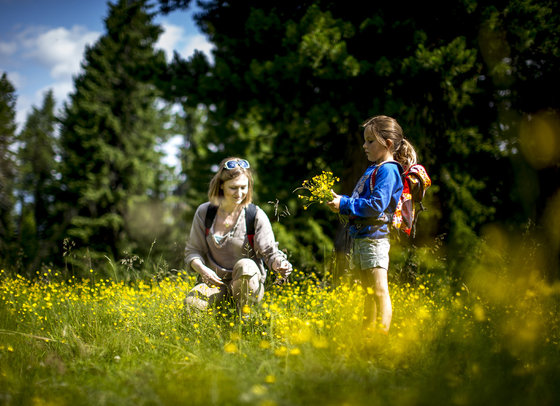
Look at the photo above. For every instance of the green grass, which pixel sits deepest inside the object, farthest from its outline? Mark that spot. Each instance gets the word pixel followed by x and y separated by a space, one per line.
pixel 494 340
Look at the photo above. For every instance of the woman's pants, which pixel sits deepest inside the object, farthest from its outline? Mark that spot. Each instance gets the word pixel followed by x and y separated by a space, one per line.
pixel 244 287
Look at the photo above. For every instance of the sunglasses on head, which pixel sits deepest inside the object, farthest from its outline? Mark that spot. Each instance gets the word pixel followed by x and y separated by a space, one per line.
pixel 232 163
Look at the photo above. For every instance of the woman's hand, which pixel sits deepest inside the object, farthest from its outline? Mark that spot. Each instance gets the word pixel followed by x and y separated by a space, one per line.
pixel 209 277
pixel 282 266
pixel 334 204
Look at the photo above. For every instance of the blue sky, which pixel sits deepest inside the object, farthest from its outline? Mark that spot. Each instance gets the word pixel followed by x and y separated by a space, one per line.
pixel 42 44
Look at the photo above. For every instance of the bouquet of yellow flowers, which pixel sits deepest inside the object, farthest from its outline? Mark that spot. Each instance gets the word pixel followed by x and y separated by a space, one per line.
pixel 320 187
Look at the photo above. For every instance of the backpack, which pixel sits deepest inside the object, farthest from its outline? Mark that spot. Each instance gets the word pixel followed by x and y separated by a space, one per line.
pixel 415 182
pixel 250 214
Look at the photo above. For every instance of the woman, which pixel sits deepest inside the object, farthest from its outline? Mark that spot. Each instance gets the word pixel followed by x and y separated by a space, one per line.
pixel 228 259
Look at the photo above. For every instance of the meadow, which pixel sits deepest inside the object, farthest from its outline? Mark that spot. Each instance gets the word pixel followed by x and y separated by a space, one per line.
pixel 489 339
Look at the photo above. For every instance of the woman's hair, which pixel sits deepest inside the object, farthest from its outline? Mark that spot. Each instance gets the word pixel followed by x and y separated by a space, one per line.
pixel 215 191
pixel 386 128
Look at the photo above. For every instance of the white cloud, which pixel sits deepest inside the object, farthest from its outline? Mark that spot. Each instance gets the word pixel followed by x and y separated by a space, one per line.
pixel 174 39
pixel 61 50
pixel 7 48
pixel 23 107
pixel 168 41
pixel 197 42
pixel 16 79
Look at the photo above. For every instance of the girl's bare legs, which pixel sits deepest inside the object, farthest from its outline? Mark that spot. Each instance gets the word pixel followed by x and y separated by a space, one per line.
pixel 378 303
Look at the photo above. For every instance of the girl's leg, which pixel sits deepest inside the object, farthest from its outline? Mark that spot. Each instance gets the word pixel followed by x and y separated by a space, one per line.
pixel 370 307
pixel 381 306
pixel 382 298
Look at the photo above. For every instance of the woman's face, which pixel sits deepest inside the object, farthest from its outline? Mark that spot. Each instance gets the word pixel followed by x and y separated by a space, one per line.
pixel 235 190
pixel 375 151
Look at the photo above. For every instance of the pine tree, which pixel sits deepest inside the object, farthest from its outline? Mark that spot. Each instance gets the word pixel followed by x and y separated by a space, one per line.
pixel 7 167
pixel 37 183
pixel 109 132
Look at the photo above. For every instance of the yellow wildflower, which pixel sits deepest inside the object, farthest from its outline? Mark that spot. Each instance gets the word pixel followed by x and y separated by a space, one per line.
pixel 230 348
pixel 319 187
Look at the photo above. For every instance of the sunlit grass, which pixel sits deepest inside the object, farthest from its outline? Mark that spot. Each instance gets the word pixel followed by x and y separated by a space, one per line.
pixel 98 341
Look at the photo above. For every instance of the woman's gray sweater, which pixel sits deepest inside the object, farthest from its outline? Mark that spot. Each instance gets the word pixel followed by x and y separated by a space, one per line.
pixel 222 256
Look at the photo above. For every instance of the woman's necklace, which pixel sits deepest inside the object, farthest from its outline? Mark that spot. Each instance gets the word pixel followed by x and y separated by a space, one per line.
pixel 229 217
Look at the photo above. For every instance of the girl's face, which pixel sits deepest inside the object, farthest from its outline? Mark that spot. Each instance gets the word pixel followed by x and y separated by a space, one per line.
pixel 235 190
pixel 375 151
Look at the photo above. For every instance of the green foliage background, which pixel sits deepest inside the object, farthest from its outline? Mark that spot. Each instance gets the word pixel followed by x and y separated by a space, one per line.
pixel 287 87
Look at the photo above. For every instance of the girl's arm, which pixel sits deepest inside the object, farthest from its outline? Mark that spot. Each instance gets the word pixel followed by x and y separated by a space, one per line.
pixel 373 204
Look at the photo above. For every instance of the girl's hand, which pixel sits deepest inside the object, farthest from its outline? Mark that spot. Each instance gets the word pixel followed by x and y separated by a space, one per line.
pixel 334 204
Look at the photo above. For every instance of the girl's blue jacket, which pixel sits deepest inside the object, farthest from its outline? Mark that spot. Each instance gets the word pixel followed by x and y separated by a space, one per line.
pixel 370 210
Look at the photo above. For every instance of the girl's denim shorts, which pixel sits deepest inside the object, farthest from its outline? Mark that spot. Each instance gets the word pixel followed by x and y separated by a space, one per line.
pixel 370 253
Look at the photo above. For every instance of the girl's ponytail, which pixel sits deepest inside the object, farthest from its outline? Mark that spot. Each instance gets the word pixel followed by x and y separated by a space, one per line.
pixel 386 128
pixel 405 155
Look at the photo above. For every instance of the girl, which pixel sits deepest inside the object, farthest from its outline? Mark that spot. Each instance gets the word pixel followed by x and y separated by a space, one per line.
pixel 371 207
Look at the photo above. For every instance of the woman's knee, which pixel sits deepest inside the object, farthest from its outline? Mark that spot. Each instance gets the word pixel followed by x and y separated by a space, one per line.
pixel 201 296
pixel 247 287
pixel 245 267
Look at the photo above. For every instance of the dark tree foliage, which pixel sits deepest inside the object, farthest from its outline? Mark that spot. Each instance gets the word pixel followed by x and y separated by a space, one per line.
pixel 37 185
pixel 520 45
pixel 167 6
pixel 290 83
pixel 7 166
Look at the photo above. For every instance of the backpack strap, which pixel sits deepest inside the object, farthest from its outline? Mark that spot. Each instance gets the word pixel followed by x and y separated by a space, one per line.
pixel 210 215
pixel 374 173
pixel 250 215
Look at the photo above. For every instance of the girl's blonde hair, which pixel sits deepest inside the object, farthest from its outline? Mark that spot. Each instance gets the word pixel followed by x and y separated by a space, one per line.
pixel 215 191
pixel 386 128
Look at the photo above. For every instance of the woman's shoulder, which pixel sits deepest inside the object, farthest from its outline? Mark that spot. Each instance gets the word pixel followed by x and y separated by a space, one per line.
pixel 260 214
pixel 202 209
pixel 255 208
